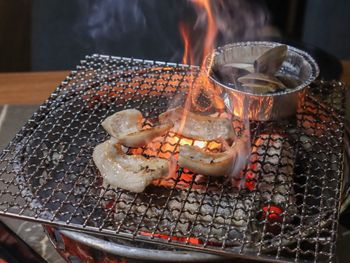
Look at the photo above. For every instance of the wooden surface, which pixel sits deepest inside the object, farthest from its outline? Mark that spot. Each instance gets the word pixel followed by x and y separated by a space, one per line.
pixel 28 88
pixel 34 88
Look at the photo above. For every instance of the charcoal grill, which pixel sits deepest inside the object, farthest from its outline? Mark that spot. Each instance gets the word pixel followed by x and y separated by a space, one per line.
pixel 47 174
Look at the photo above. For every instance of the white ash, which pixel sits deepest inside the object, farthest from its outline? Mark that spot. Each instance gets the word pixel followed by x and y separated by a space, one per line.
pixel 227 211
pixel 274 158
pixel 188 215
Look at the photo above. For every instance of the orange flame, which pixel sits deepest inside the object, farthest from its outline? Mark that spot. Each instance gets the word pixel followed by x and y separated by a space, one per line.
pixel 210 35
pixel 188 55
pixel 211 27
pixel 186 59
pixel 202 86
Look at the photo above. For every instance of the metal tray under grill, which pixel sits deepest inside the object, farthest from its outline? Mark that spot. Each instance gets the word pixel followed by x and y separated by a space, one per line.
pixel 47 174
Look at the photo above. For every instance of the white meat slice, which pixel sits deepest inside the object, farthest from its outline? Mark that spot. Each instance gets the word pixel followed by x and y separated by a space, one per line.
pixel 143 137
pixel 197 126
pixel 129 172
pixel 126 127
pixel 202 162
pixel 123 122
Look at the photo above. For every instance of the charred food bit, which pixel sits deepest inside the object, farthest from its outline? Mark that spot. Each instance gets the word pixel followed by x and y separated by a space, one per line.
pixel 126 127
pixel 129 172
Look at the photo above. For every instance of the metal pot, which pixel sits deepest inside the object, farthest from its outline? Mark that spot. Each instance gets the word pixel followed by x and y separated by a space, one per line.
pixel 298 65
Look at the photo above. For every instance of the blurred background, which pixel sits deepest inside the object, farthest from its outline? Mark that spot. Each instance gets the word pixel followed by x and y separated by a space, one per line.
pixel 40 35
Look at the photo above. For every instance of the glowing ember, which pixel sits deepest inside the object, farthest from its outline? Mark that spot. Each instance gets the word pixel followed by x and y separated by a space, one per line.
pixel 168 148
pixel 250 181
pixel 170 144
pixel 273 215
pixel 188 240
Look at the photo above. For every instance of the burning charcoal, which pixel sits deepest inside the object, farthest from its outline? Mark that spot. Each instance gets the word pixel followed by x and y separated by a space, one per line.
pixel 193 212
pixel 273 216
pixel 229 217
pixel 272 168
pixel 232 211
pixel 271 172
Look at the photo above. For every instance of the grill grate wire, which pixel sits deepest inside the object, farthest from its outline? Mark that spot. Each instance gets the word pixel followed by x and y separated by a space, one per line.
pixel 47 174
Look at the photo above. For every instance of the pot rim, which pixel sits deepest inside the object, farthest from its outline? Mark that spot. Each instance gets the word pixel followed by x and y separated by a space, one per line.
pixel 307 58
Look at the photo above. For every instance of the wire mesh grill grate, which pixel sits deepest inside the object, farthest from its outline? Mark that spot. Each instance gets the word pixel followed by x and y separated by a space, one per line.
pixel 288 211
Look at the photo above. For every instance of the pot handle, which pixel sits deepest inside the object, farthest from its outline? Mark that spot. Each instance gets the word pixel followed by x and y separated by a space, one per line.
pixel 139 253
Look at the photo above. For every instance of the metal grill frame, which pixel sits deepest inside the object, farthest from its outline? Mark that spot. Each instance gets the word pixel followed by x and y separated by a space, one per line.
pixel 88 92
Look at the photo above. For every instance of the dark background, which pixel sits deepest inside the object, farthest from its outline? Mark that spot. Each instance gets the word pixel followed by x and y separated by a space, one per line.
pixel 56 34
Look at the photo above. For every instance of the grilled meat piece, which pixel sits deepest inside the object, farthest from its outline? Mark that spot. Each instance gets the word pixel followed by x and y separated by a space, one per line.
pixel 130 172
pixel 198 127
pixel 126 127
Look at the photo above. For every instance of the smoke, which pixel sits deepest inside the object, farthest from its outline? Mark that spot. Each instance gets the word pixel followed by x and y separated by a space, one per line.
pixel 236 20
pixel 102 18
pixel 242 20
pixel 134 28
pixel 149 28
